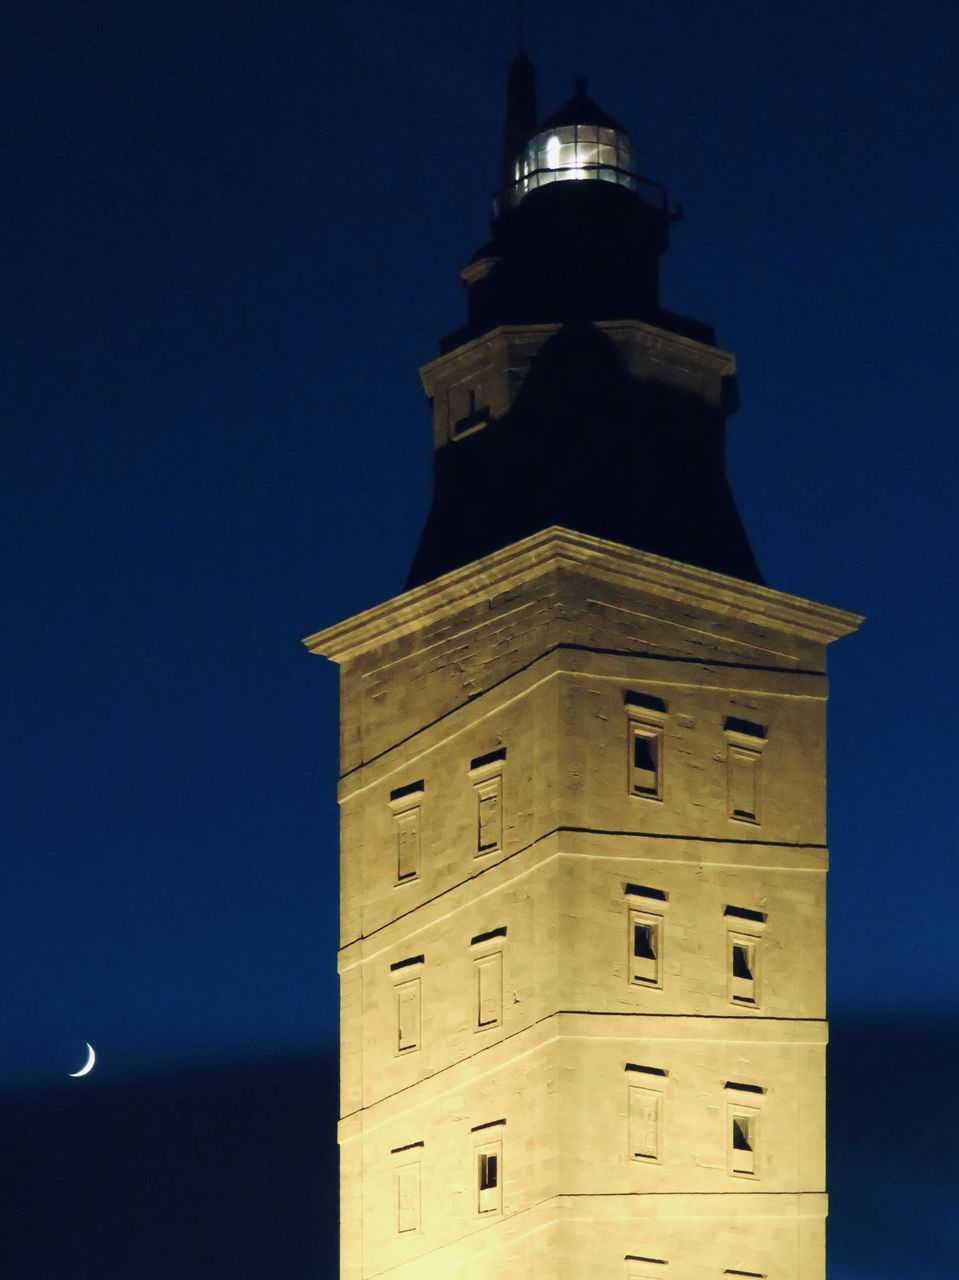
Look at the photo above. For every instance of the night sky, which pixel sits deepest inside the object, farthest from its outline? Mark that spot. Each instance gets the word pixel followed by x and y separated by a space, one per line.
pixel 229 234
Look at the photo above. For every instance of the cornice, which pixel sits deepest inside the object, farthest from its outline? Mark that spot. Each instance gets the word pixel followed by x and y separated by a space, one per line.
pixel 651 335
pixel 543 553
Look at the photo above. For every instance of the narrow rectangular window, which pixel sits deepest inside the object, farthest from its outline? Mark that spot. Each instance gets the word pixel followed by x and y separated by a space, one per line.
pixel 489 1178
pixel 646 718
pixel 743 769
pixel 645 1123
pixel 743 960
pixel 468 410
pixel 639 1268
pixel 486 774
pixel 645 949
pixel 490 816
pixel 407 1178
pixel 744 745
pixel 407 844
pixel 645 760
pixel 408 1016
pixel 743 1142
pixel 488 990
pixel 406 802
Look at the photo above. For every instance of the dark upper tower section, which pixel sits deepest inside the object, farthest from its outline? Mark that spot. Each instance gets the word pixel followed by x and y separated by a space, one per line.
pixel 570 397
pixel 577 234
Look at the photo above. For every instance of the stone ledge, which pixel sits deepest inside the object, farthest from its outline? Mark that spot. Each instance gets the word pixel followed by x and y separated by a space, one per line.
pixel 558 1027
pixel 545 552
pixel 704 1204
pixel 569 843
pixel 702 1028
pixel 575 660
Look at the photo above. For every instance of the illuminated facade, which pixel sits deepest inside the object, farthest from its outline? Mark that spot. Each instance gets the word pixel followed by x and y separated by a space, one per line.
pixel 582 792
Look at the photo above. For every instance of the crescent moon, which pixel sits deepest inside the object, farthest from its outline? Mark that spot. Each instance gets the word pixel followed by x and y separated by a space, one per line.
pixel 87 1066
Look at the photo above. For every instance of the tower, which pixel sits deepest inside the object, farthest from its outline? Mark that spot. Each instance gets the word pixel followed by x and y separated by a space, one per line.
pixel 582 791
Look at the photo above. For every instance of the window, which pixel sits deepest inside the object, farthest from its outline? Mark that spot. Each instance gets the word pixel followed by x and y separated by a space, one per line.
pixel 467 411
pixel 488 1165
pixel 406 804
pixel 407 1185
pixel 646 719
pixel 645 1123
pixel 408 1016
pixel 743 960
pixel 489 1173
pixel 490 825
pixel 744 954
pixel 640 1268
pixel 407 845
pixel 575 151
pixel 486 773
pixel 488 991
pixel 743 1142
pixel 646 748
pixel 645 949
pixel 468 408
pixel 744 745
pixel 743 767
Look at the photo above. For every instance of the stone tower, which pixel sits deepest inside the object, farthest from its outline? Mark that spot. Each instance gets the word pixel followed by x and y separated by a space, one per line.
pixel 582 791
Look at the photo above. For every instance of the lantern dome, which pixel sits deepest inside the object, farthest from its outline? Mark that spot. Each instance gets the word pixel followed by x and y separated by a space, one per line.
pixel 578 142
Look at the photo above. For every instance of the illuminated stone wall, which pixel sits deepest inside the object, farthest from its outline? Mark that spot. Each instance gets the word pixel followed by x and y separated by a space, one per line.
pixel 582 952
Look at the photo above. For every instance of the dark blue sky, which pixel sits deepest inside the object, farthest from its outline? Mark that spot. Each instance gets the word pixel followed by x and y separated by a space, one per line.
pixel 229 234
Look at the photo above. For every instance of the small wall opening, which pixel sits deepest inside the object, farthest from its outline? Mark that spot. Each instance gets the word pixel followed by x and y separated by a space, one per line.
pixel 407 1189
pixel 639 1267
pixel 743 960
pixel 406 803
pixel 407 1038
pixel 743 956
pixel 744 745
pixel 743 1142
pixel 490 817
pixel 645 761
pixel 407 845
pixel 489 1178
pixel 489 1172
pixel 645 1124
pixel 468 411
pixel 486 772
pixel 645 891
pixel 646 717
pixel 488 991
pixel 645 949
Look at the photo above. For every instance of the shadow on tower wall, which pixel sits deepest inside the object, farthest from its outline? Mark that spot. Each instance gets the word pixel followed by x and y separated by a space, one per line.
pixel 653 453
pixel 229 1172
